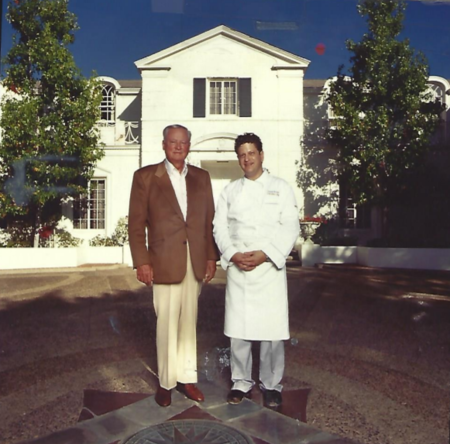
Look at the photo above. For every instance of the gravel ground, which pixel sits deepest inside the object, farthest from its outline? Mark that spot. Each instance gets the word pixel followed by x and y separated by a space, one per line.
pixel 372 346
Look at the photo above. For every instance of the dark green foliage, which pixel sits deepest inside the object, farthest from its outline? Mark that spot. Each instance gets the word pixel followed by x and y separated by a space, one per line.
pixel 421 218
pixel 329 235
pixel 49 144
pixel 384 118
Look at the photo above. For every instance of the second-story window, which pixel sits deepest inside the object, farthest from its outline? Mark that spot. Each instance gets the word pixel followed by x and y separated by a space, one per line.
pixel 223 97
pixel 108 105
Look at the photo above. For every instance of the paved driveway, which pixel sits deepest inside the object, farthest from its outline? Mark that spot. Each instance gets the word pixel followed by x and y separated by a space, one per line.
pixel 373 346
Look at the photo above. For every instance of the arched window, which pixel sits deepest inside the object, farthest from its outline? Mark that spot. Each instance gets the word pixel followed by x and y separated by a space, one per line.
pixel 436 91
pixel 437 87
pixel 108 105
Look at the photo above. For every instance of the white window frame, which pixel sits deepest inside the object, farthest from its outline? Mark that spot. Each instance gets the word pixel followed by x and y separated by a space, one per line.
pixel 351 213
pixel 225 107
pixel 437 90
pixel 108 105
pixel 92 211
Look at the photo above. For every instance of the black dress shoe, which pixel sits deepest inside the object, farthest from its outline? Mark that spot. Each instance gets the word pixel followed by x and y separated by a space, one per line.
pixel 236 396
pixel 272 398
pixel 163 397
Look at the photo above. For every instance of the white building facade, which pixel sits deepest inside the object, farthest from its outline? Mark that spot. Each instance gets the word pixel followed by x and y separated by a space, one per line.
pixel 219 84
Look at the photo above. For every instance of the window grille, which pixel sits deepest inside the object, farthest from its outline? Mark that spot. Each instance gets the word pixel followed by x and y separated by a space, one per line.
pixel 436 92
pixel 223 97
pixel 107 106
pixel 90 209
pixel 352 215
pixel 219 97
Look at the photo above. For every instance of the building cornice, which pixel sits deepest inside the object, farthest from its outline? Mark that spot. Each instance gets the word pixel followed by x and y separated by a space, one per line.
pixel 223 31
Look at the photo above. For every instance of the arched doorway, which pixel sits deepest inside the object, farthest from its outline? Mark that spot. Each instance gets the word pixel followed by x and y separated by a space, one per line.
pixel 215 153
pixel 222 172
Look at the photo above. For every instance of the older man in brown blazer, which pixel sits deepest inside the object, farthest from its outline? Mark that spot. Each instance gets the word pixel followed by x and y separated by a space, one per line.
pixel 172 245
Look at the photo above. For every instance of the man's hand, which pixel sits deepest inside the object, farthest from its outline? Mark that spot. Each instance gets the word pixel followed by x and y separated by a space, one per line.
pixel 255 258
pixel 210 271
pixel 144 274
pixel 240 260
pixel 250 260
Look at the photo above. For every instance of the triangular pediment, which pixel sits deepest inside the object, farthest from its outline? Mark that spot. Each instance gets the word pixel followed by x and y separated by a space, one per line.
pixel 160 60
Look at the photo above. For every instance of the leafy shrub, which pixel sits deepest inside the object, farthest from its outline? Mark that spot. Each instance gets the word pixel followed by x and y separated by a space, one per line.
pixel 102 241
pixel 19 237
pixel 117 239
pixel 5 238
pixel 64 239
pixel 325 231
pixel 15 237
pixel 120 235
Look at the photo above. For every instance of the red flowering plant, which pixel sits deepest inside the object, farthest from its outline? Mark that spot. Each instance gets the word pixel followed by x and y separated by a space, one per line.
pixel 46 236
pixel 45 232
pixel 312 219
pixel 309 225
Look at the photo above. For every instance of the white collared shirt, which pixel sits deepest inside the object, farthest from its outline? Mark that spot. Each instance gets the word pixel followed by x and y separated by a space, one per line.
pixel 178 181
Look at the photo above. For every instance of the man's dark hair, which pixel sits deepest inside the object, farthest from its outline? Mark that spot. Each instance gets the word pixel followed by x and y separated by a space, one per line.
pixel 248 138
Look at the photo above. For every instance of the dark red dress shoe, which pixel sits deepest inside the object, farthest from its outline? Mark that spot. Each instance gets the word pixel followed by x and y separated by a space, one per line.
pixel 191 391
pixel 163 397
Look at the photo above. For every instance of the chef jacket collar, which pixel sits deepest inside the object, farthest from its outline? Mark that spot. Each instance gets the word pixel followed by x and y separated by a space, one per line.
pixel 262 180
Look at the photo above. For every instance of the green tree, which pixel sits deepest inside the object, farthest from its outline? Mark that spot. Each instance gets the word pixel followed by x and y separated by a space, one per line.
pixel 50 144
pixel 384 116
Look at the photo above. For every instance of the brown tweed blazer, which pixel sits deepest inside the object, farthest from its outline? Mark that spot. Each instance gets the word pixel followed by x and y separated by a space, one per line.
pixel 154 209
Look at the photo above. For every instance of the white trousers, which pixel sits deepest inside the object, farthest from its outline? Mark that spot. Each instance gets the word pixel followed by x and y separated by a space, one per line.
pixel 176 335
pixel 271 364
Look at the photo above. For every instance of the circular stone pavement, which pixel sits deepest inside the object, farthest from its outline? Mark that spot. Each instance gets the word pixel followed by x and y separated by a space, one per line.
pixel 189 431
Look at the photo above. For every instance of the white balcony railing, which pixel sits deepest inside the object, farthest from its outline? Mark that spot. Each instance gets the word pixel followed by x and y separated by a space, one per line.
pixel 131 133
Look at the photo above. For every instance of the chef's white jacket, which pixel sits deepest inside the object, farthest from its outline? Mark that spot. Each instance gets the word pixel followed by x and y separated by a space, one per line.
pixel 251 215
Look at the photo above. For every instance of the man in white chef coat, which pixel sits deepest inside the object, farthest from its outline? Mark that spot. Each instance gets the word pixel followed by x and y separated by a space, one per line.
pixel 255 227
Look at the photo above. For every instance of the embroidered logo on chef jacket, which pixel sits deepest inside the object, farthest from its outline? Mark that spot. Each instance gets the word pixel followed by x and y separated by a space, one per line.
pixel 272 197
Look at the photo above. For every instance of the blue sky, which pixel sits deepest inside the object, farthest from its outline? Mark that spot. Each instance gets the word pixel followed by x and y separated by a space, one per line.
pixel 115 33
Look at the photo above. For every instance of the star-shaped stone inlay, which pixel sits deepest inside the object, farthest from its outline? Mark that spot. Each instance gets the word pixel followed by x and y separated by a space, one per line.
pixel 189 432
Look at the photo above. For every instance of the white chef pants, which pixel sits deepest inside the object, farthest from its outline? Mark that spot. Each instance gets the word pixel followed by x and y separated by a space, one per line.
pixel 176 330
pixel 271 364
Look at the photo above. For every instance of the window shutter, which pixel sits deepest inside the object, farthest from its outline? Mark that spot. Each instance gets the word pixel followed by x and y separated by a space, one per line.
pixel 199 97
pixel 245 97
